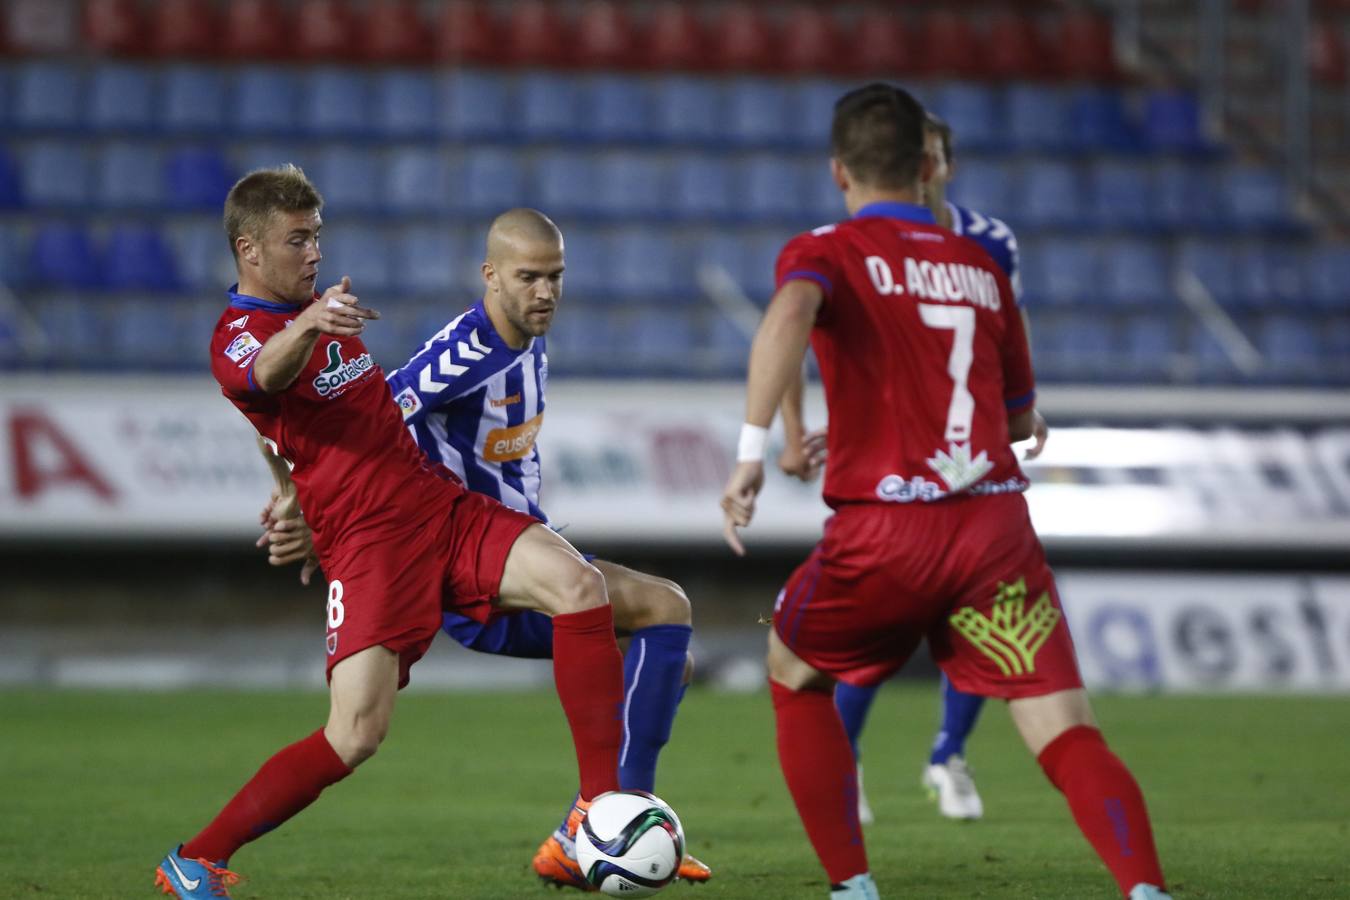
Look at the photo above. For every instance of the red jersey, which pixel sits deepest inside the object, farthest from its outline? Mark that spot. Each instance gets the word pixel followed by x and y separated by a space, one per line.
pixel 357 471
pixel 922 353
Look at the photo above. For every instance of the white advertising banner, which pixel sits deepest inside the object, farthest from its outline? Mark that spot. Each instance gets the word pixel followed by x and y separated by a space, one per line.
pixel 1209 633
pixel 645 462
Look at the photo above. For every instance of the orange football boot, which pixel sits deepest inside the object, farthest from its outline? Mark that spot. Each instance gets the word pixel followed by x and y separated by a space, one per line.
pixel 555 862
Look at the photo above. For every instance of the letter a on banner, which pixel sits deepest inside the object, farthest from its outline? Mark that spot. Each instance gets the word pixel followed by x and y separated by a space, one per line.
pixel 44 457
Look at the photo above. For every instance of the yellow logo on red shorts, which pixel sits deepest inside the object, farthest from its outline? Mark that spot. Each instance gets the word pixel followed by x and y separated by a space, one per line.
pixel 1013 634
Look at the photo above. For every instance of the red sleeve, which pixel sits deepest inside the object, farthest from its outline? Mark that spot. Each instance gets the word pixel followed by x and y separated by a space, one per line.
pixel 1019 383
pixel 234 349
pixel 808 257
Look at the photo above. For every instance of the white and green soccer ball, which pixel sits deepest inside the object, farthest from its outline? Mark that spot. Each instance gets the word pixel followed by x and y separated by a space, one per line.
pixel 630 844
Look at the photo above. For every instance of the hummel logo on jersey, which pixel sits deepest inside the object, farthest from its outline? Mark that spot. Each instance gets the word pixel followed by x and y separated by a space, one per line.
pixel 242 346
pixel 445 364
pixel 338 373
pixel 506 401
pixel 238 323
pixel 183 879
pixel 1013 634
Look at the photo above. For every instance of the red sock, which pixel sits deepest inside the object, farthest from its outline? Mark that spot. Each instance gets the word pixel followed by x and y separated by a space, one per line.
pixel 588 671
pixel 1106 803
pixel 817 762
pixel 287 783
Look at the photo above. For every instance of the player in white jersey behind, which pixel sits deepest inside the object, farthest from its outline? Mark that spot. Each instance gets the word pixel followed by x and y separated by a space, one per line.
pixel 947 778
pixel 473 399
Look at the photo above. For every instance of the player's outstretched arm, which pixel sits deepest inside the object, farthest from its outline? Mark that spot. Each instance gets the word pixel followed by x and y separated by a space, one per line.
pixel 285 354
pixel 775 361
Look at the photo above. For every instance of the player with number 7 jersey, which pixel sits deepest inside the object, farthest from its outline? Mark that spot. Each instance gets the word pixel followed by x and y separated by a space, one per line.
pixel 928 381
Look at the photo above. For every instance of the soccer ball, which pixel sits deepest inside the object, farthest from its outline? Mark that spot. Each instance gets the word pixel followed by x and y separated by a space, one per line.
pixel 630 844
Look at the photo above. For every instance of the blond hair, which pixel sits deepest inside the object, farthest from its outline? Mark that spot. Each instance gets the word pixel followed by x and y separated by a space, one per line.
pixel 260 194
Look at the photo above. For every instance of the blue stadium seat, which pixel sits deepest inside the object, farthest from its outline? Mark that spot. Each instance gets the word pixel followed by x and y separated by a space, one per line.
pixel 747 256
pixel 62 255
pixel 1150 348
pixel 349 178
pixel 811 105
pixel 202 255
pixel 820 196
pixel 580 341
pixel 702 187
pixel 645 268
pixel 429 260
pixel 1185 196
pixel 404 104
pixel 1269 276
pixel 660 342
pixel 549 107
pixel 1256 198
pixel 56 174
pixel 137 258
pixel 687 110
pixel 1135 273
pixel 630 185
pixel 772 188
pixel 1037 118
pixel 47 95
pixel 1064 272
pixel 588 264
pixel 1089 345
pixel 1098 121
pixel 197 178
pixel 128 176
pixel 361 251
pixel 490 179
pixel 141 334
pixel 1050 194
pixel 757 111
pixel 11 181
pixel 1121 195
pixel 270 154
pixel 264 100
pixel 1213 263
pixel 728 349
pixel 974 114
pixel 568 182
pixel 417 181
pixel 1172 121
pixel 475 105
pixel 615 108
pixel 13 257
pixel 121 98
pixel 76 329
pixel 194 100
pixel 336 102
pixel 1328 277
pixel 1291 346
pixel 984 186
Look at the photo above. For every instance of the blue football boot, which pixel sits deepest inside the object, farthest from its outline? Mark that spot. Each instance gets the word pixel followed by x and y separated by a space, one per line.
pixel 193 879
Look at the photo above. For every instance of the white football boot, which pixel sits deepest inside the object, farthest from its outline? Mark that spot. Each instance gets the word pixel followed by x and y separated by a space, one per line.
pixel 952 786
pixel 1148 892
pixel 859 887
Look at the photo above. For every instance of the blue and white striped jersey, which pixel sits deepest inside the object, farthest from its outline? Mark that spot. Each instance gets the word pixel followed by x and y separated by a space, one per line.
pixel 995 237
pixel 476 405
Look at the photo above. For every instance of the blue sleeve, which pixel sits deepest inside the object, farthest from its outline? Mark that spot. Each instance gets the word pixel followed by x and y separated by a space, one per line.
pixel 450 365
pixel 1007 255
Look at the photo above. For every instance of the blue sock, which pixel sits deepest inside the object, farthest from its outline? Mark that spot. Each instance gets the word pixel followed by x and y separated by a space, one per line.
pixel 653 684
pixel 959 712
pixel 853 704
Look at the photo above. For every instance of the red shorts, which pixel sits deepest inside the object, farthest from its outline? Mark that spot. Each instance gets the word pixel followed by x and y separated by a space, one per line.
pixel 391 592
pixel 969 574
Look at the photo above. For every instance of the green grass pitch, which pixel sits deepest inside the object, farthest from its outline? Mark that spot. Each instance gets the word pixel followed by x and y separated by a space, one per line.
pixel 1250 798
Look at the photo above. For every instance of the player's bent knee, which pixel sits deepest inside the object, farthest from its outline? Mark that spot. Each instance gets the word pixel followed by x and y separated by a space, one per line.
pixel 1042 719
pixel 581 587
pixel 670 604
pixel 792 672
pixel 356 740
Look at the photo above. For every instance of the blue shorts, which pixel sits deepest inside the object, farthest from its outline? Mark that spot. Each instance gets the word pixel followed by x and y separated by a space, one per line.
pixel 526 634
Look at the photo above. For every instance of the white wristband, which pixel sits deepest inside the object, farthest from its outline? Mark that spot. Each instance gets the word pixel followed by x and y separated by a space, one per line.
pixel 750 448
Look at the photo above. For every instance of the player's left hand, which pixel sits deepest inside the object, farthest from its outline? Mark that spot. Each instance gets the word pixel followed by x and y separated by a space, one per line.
pixel 289 541
pixel 738 502
pixel 1040 433
pixel 805 461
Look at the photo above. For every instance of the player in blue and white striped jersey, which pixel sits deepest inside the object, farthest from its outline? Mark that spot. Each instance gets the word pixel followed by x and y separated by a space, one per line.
pixel 946 776
pixel 473 398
